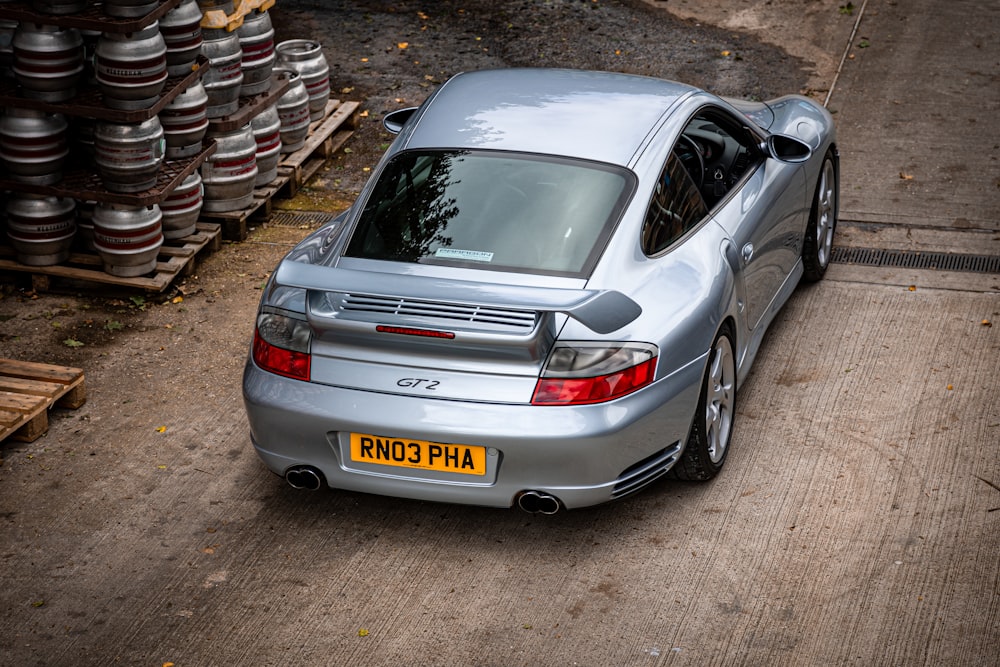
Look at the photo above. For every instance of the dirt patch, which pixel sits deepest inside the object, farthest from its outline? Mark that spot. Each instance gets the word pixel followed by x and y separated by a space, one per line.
pixel 815 30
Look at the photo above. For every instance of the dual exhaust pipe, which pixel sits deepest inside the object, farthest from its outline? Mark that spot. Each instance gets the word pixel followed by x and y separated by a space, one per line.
pixel 538 502
pixel 533 502
pixel 304 477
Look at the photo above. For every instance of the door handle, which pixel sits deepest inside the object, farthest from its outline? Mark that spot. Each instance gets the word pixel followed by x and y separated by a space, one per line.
pixel 747 253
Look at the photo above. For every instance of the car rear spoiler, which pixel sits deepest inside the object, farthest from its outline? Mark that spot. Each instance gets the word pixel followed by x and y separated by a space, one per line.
pixel 602 311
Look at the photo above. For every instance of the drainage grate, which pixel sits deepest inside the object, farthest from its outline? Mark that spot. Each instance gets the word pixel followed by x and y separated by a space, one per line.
pixel 913 259
pixel 300 219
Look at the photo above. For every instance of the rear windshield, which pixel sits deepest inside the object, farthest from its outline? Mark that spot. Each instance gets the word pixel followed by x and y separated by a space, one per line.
pixel 491 210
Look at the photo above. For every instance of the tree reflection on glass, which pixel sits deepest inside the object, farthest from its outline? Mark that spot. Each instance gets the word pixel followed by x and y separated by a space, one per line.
pixel 409 211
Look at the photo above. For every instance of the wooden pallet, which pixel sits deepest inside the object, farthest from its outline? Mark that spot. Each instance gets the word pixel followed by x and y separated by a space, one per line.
pixel 177 257
pixel 28 390
pixel 325 138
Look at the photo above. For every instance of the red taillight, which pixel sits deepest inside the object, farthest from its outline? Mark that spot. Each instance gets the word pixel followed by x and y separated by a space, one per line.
pixel 274 359
pixel 597 389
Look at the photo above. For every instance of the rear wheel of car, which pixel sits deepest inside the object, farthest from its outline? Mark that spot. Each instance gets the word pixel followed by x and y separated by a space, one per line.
pixel 708 443
pixel 818 243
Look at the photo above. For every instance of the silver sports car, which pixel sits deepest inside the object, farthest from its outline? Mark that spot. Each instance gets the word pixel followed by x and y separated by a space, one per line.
pixel 547 294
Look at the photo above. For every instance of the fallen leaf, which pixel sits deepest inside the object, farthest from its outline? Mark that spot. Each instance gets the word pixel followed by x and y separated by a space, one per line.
pixel 362 633
pixel 161 429
pixel 725 54
pixel 986 323
pixel 906 177
pixel 912 288
pixel 403 45
pixel 177 299
pixel 364 114
pixel 70 342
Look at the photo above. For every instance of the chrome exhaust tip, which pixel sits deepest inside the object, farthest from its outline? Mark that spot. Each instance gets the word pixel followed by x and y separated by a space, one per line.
pixel 304 477
pixel 538 502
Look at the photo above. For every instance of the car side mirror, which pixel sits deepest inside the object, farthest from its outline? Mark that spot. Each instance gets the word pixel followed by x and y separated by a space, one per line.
pixel 786 149
pixel 395 120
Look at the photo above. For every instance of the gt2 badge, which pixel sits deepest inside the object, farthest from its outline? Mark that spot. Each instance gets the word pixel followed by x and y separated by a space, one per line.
pixel 417 383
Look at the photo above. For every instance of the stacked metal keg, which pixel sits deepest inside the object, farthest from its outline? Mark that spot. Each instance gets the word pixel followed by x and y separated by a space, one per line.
pixel 306 57
pixel 131 69
pixel 47 63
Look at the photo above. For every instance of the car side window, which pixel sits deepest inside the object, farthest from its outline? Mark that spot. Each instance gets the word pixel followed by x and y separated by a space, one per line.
pixel 718 151
pixel 676 207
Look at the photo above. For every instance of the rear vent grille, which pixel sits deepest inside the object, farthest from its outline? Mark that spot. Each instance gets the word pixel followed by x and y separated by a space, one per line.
pixel 646 471
pixel 912 259
pixel 433 310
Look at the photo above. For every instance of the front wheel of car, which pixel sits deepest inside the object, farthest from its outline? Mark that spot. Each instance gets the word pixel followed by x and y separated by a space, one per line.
pixel 818 244
pixel 708 443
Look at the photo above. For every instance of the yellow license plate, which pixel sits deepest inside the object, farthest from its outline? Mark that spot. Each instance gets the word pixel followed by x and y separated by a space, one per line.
pixel 419 454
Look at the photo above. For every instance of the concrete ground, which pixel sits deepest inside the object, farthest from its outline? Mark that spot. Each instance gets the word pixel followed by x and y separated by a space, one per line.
pixel 857 521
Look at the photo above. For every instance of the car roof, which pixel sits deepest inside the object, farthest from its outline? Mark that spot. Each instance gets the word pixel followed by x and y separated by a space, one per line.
pixel 599 116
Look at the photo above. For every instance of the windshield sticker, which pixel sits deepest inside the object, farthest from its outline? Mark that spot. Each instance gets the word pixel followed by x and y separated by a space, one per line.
pixel 465 255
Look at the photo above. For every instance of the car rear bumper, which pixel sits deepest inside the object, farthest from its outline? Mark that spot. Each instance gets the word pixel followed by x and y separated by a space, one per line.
pixel 582 455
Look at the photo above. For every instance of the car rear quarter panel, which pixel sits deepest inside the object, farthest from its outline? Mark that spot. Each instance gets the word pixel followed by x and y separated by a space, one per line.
pixel 685 294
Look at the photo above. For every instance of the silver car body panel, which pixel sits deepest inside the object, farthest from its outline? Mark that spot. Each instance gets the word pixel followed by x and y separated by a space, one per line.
pixel 546 114
pixel 740 265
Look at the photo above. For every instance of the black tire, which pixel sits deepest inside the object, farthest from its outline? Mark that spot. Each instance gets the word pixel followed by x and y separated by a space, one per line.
pixel 818 244
pixel 708 443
